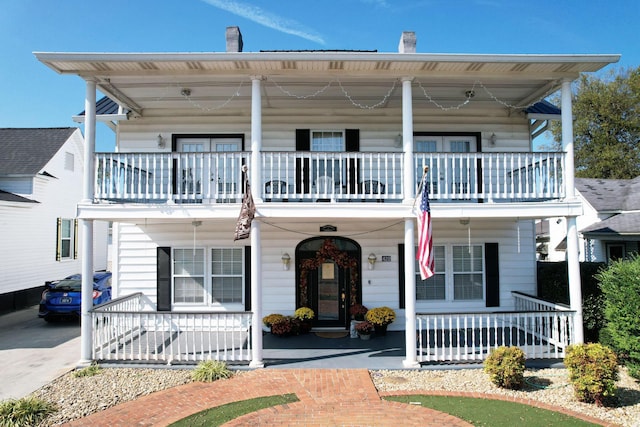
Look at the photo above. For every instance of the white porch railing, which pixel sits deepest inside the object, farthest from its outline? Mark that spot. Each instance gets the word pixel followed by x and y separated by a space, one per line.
pixel 123 332
pixel 456 337
pixel 331 176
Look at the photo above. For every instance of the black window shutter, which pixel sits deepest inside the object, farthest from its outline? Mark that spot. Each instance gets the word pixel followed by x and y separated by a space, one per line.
pixel 401 275
pixel 303 143
pixel 247 278
pixel 352 144
pixel 492 272
pixel 163 278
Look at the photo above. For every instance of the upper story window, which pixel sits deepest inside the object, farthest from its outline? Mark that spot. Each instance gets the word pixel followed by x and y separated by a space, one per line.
pixel 327 141
pixel 67 239
pixel 69 161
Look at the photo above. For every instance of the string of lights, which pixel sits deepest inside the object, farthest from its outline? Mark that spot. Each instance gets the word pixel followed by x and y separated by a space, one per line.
pixel 468 95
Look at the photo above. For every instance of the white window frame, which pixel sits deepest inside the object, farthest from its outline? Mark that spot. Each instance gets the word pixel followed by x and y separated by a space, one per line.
pixel 207 277
pixel 71 238
pixel 449 277
pixel 240 275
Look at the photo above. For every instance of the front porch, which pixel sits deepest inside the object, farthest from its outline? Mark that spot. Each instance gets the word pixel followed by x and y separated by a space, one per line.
pixel 124 332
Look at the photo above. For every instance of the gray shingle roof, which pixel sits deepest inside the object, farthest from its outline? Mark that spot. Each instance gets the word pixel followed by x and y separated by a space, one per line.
pixel 610 195
pixel 25 151
pixel 10 197
pixel 623 224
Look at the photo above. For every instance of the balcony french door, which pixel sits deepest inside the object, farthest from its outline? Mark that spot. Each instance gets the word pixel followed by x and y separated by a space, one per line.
pixel 198 174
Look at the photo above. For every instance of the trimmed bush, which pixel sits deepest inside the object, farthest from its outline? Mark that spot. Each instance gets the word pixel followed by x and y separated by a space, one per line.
pixel 28 411
pixel 505 366
pixel 593 371
pixel 620 284
pixel 211 370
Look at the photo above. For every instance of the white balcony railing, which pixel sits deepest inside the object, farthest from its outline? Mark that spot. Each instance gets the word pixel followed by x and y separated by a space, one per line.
pixel 328 176
pixel 124 332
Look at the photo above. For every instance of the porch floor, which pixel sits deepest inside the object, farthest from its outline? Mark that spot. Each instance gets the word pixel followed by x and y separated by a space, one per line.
pixel 380 352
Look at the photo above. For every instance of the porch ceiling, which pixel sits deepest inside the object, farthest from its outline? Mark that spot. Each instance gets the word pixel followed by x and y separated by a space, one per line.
pixel 150 81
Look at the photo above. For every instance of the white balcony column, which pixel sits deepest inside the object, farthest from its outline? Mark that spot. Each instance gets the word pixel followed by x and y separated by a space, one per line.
pixel 573 250
pixel 256 137
pixel 256 297
pixel 256 241
pixel 408 180
pixel 86 225
pixel 411 360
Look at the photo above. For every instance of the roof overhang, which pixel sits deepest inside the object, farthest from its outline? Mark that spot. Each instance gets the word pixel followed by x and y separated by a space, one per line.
pixel 141 81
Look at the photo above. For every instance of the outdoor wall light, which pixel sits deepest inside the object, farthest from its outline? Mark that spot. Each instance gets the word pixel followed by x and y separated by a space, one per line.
pixel 397 142
pixel 160 141
pixel 493 138
pixel 286 259
pixel 372 260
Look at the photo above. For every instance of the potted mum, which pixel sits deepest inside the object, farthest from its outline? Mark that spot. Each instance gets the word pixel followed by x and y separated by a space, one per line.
pixel 270 319
pixel 358 311
pixel 305 315
pixel 381 317
pixel 364 330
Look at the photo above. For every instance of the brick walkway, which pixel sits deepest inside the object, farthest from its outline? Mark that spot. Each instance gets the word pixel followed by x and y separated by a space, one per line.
pixel 328 397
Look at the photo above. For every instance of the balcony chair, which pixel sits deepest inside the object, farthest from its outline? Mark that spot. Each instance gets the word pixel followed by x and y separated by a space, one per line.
pixel 275 187
pixel 372 186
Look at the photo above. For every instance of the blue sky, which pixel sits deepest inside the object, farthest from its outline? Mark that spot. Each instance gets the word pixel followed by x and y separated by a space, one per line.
pixel 31 95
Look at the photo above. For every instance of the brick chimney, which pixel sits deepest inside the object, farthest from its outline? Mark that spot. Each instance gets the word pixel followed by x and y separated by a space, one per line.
pixel 407 42
pixel 234 39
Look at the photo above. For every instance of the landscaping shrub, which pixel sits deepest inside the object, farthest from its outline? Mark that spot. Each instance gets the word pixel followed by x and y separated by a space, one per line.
pixel 505 366
pixel 270 319
pixel 25 412
pixel 286 327
pixel 211 370
pixel 620 284
pixel 593 371
pixel 89 371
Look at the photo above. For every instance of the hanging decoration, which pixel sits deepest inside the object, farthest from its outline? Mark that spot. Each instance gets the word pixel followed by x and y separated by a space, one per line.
pixel 328 252
pixel 247 211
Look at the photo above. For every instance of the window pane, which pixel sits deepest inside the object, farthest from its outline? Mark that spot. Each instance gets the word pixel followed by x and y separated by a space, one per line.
pixel 434 287
pixel 66 228
pixel 189 289
pixel 227 275
pixel 65 251
pixel 460 146
pixel 227 289
pixel 426 146
pixel 467 286
pixel 327 141
pixel 467 259
pixel 188 262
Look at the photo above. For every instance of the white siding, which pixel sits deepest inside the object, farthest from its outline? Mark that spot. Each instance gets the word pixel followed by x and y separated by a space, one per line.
pixel 136 257
pixel 29 229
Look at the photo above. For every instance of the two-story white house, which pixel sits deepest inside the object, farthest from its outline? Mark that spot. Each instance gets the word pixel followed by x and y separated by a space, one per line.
pixel 40 172
pixel 334 144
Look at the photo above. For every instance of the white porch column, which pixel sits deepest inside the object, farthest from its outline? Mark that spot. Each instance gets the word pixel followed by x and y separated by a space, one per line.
pixel 408 179
pixel 86 225
pixel 256 241
pixel 573 255
pixel 410 360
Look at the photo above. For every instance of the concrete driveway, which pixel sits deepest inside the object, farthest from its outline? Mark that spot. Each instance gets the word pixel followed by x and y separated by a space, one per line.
pixel 34 352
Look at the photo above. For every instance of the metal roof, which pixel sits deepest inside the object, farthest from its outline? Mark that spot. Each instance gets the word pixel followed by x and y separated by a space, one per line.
pixel 25 151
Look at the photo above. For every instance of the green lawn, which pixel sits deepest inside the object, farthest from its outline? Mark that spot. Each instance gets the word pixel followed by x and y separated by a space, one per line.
pixel 224 413
pixel 494 413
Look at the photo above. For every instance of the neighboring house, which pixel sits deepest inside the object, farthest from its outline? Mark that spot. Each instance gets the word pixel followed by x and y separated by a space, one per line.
pixel 335 144
pixel 609 227
pixel 41 172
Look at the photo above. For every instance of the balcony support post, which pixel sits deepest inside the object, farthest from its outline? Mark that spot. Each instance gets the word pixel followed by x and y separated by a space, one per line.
pixel 408 180
pixel 256 242
pixel 86 225
pixel 410 360
pixel 573 250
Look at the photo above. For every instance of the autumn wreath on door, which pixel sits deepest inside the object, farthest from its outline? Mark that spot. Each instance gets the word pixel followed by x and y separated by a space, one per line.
pixel 329 251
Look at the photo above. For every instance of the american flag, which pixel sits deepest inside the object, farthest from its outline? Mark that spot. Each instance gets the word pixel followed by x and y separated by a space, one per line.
pixel 425 242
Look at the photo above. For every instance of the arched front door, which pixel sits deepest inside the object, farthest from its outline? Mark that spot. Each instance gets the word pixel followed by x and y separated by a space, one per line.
pixel 328 278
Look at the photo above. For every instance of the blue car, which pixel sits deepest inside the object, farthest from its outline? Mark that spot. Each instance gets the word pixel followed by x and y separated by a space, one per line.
pixel 62 298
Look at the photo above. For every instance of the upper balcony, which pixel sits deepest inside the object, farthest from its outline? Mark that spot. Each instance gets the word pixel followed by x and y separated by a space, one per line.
pixel 295 176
